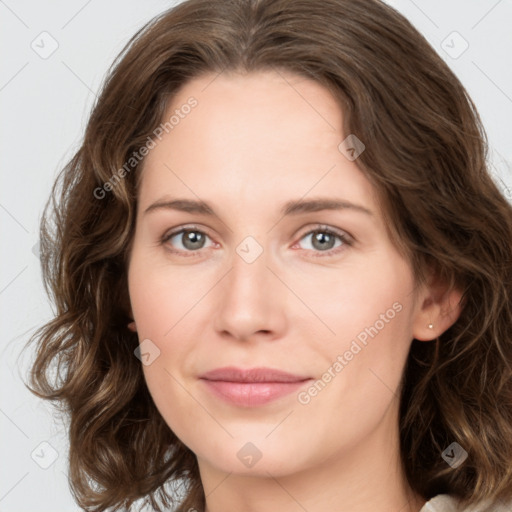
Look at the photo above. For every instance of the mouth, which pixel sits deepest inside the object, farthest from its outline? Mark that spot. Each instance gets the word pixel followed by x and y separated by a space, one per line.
pixel 252 387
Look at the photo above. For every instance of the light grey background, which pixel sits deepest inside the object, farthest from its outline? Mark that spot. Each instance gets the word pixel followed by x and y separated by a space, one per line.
pixel 45 102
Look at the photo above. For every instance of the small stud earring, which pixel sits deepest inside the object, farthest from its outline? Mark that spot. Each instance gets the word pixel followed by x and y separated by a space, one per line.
pixel 430 326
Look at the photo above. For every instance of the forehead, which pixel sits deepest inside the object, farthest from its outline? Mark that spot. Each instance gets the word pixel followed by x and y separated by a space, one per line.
pixel 260 136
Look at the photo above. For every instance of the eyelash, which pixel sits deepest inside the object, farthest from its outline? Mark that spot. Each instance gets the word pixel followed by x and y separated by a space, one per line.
pixel 347 241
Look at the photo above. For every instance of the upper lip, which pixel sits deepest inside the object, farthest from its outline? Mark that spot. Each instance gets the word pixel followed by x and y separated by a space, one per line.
pixel 260 374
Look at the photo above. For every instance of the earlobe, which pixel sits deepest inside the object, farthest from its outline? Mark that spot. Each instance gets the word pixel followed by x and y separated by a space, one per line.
pixel 438 313
pixel 132 326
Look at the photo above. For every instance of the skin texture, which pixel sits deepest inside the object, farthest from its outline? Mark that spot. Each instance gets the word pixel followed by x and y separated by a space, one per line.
pixel 252 143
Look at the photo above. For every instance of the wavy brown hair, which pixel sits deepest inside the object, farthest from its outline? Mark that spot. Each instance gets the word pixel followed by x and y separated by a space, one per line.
pixel 426 156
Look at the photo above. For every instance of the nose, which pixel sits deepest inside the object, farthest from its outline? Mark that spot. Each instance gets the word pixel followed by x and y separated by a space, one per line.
pixel 251 300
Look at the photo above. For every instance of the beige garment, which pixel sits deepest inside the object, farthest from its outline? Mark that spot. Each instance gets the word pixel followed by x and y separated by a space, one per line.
pixel 448 503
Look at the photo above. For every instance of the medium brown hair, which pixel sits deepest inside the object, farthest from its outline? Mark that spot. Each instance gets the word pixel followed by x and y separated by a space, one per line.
pixel 425 154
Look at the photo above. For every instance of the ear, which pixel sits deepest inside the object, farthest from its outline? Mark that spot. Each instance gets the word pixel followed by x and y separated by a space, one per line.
pixel 126 306
pixel 437 306
pixel 132 325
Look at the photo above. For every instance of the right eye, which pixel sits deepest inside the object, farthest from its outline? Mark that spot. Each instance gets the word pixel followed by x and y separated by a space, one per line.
pixel 191 240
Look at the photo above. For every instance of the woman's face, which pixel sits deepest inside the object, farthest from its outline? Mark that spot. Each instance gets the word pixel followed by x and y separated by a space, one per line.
pixel 319 292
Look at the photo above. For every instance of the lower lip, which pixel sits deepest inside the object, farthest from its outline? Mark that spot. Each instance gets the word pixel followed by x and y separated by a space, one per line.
pixel 251 394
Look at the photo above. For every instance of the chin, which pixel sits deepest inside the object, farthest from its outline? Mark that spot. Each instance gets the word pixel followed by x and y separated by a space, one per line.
pixel 244 457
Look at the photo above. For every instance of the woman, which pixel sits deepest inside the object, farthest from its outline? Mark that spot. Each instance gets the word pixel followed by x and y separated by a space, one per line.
pixel 208 337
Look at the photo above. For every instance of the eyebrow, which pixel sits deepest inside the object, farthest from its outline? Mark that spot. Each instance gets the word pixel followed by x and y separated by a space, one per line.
pixel 294 207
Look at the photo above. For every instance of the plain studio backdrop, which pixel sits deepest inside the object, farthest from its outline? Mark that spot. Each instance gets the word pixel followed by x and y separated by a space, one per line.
pixel 54 58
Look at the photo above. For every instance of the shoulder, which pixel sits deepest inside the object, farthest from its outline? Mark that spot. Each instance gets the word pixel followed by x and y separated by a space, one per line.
pixel 449 503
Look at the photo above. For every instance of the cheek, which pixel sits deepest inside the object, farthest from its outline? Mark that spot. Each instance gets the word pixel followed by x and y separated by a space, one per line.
pixel 160 294
pixel 368 311
pixel 167 395
pixel 356 297
pixel 359 385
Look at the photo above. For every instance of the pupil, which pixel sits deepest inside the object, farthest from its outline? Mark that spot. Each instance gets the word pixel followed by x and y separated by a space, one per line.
pixel 193 240
pixel 321 238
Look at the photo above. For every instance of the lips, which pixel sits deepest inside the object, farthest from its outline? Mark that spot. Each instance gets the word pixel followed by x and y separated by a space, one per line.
pixel 261 374
pixel 252 387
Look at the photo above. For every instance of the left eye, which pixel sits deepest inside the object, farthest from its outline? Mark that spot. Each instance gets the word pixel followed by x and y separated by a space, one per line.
pixel 323 240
